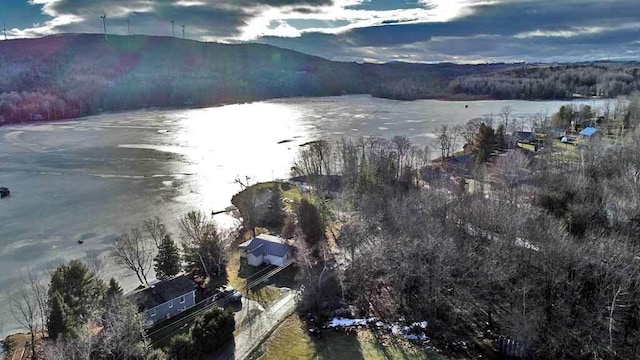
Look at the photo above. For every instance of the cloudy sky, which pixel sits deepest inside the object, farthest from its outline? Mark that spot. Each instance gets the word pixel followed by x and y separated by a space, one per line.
pixel 468 31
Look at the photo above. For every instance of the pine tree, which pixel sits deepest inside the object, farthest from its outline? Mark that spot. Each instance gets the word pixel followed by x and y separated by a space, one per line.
pixel 167 262
pixel 114 290
pixel 500 137
pixel 212 330
pixel 274 217
pixel 310 221
pixel 59 321
pixel 484 142
pixel 78 291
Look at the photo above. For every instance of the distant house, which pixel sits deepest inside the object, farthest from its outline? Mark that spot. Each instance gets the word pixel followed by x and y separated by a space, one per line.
pixel 35 117
pixel 524 136
pixel 165 299
pixel 527 146
pixel 518 137
pixel 266 249
pixel 589 133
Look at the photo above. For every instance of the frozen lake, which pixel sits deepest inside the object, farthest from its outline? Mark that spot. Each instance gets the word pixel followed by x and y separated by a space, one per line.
pixel 96 177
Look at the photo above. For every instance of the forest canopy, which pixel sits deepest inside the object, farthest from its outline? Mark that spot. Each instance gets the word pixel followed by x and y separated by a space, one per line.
pixel 73 75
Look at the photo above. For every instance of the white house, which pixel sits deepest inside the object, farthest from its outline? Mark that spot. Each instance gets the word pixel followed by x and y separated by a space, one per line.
pixel 266 249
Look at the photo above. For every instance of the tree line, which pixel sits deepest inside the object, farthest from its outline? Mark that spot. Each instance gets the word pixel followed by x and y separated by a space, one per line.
pixel 69 76
pixel 70 312
pixel 542 250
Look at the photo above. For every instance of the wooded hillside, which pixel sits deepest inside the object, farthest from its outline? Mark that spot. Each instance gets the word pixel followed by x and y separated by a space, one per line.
pixel 71 75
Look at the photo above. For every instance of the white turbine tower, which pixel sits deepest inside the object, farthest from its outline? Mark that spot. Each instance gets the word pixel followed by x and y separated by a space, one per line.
pixel 104 23
pixel 129 27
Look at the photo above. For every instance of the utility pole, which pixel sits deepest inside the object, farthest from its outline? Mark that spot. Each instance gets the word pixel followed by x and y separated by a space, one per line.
pixel 129 27
pixel 104 23
pixel 173 29
pixel 183 32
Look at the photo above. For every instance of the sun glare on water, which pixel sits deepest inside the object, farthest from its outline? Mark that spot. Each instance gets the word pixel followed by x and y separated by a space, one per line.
pixel 235 141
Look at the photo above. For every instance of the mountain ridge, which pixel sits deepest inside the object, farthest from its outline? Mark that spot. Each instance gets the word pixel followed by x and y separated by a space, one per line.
pixel 69 75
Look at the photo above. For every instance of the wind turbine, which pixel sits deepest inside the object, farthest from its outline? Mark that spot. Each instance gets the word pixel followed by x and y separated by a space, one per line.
pixel 104 23
pixel 182 32
pixel 4 30
pixel 129 27
pixel 173 29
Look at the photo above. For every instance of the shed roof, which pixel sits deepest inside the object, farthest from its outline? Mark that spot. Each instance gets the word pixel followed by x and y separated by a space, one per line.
pixel 588 131
pixel 266 244
pixel 162 292
pixel 524 136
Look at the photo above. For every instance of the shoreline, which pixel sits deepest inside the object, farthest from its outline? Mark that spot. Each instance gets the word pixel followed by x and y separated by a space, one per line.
pixel 451 98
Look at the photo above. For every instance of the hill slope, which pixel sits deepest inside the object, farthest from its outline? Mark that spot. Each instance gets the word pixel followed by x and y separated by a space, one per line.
pixel 90 74
pixel 70 75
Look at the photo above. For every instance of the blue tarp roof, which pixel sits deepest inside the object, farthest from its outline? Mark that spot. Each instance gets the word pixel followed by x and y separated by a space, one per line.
pixel 588 131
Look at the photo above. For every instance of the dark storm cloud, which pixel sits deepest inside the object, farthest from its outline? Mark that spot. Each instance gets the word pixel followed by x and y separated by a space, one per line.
pixel 513 30
pixel 304 10
pixel 210 19
pixel 279 3
pixel 408 30
pixel 504 19
pixel 83 7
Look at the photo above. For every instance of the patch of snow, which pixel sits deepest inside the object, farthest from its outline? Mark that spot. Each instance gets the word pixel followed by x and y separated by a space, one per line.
pixel 422 324
pixel 413 337
pixel 526 244
pixel 338 321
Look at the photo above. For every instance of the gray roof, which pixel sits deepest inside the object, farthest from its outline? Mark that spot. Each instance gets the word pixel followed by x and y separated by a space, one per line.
pixel 524 135
pixel 266 244
pixel 162 292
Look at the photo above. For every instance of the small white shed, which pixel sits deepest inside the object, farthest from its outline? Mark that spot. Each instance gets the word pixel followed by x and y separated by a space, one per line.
pixel 266 249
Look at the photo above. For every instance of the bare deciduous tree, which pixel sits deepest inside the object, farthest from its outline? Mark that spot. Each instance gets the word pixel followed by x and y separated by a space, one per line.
pixel 444 140
pixel 204 242
pixel 95 262
pixel 156 229
pixel 505 114
pixel 247 203
pixel 132 252
pixel 25 308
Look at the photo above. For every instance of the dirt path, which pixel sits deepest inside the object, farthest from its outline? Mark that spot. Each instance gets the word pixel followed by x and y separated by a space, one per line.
pixel 256 331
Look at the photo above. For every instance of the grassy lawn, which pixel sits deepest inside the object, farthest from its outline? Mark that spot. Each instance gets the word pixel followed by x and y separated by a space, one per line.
pixel 290 195
pixel 264 293
pixel 290 341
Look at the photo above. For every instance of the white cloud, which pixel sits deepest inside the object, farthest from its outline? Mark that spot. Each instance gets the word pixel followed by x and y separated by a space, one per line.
pixel 48 28
pixel 577 31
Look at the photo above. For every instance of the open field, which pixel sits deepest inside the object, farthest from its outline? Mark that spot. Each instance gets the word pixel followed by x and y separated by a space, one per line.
pixel 290 341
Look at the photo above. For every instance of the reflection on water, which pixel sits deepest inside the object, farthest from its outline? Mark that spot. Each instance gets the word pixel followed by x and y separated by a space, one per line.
pixel 94 178
pixel 237 141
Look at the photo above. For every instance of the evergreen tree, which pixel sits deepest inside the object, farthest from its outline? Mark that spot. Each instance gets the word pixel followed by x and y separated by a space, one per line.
pixel 167 262
pixel 564 117
pixel 274 217
pixel 213 330
pixel 181 347
pixel 114 291
pixel 500 136
pixel 58 321
pixel 80 293
pixel 310 221
pixel 484 142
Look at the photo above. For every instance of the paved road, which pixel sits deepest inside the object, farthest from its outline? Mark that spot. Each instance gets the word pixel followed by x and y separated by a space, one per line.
pixel 256 327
